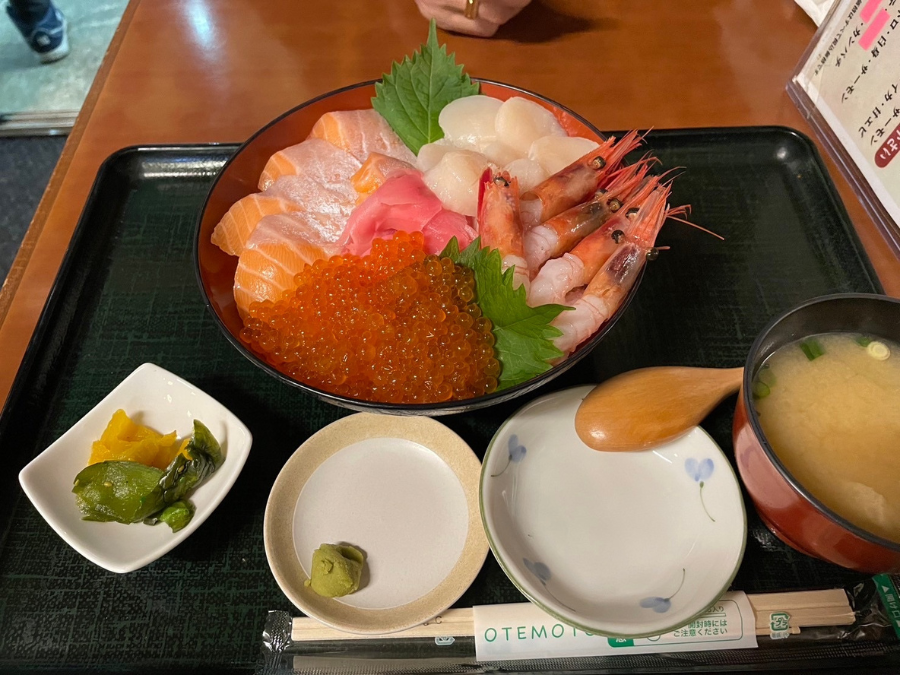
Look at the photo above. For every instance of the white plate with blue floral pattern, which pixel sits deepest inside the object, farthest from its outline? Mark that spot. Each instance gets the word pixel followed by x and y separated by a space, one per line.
pixel 629 544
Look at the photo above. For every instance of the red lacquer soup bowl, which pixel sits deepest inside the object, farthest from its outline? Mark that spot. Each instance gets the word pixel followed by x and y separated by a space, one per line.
pixel 239 177
pixel 785 506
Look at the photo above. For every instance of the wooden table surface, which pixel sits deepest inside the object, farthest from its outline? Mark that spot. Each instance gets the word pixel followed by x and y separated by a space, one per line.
pixel 201 71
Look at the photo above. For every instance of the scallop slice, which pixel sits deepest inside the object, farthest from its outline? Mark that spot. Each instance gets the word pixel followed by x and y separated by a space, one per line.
pixel 500 153
pixel 454 180
pixel 557 152
pixel 520 123
pixel 470 120
pixel 528 172
pixel 430 153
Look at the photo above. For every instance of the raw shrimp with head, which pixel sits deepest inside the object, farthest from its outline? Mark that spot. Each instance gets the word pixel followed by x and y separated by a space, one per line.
pixel 499 224
pixel 576 182
pixel 577 267
pixel 562 232
pixel 607 290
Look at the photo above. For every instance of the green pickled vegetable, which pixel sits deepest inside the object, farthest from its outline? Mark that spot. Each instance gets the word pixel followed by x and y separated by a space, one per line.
pixel 812 348
pixel 129 492
pixel 184 473
pixel 175 515
pixel 116 490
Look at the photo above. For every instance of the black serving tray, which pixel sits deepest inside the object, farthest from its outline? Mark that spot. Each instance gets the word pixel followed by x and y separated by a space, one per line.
pixel 126 294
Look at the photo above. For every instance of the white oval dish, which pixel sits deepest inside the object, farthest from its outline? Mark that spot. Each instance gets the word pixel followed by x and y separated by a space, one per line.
pixel 404 490
pixel 163 401
pixel 630 544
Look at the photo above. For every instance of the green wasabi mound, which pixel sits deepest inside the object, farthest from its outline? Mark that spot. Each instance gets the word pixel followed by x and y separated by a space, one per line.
pixel 336 570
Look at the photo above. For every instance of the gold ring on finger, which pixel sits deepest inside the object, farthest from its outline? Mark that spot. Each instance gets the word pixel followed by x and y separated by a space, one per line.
pixel 471 10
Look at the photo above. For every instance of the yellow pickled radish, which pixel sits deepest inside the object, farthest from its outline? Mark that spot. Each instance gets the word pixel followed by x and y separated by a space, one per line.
pixel 125 440
pixel 165 456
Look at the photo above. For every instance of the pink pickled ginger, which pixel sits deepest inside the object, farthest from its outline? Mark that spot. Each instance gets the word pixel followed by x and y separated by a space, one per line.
pixel 404 203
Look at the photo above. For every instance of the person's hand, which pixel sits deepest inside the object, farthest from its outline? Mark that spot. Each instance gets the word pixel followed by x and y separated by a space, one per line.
pixel 450 14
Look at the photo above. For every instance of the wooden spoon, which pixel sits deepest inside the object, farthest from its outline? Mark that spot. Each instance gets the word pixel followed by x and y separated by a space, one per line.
pixel 649 406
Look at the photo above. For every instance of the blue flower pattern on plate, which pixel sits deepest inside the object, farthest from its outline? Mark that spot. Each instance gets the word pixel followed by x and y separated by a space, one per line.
pixel 538 569
pixel 657 604
pixel 700 471
pixel 516 454
pixel 662 605
pixel 542 574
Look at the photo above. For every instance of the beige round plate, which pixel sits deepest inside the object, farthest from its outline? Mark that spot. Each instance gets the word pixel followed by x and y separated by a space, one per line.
pixel 402 489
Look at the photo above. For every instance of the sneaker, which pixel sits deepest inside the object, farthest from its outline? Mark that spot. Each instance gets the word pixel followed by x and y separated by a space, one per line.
pixel 47 38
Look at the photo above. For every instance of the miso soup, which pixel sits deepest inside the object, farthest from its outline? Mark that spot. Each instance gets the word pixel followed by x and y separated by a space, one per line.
pixel 829 406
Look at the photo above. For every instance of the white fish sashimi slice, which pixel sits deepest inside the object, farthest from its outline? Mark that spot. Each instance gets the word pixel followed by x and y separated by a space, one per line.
pixel 470 120
pixel 334 197
pixel 431 153
pixel 520 123
pixel 528 172
pixel 555 153
pixel 317 160
pixel 328 207
pixel 455 180
pixel 385 141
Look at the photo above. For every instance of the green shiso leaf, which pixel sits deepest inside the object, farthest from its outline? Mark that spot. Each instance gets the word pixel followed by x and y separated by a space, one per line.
pixel 524 336
pixel 412 96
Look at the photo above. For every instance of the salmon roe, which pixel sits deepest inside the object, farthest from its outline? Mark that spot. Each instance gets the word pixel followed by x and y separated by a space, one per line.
pixel 395 326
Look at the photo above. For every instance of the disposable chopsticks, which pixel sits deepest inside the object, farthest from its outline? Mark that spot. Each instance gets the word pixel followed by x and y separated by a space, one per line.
pixel 805 608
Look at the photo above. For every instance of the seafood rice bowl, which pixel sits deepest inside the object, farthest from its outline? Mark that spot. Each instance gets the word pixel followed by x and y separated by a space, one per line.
pixel 375 266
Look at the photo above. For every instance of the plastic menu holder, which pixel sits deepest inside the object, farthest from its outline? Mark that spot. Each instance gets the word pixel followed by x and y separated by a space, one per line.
pixel 848 86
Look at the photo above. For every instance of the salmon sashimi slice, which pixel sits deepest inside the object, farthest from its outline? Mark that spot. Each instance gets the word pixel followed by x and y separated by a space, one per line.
pixel 374 171
pixel 361 132
pixel 238 223
pixel 319 160
pixel 328 204
pixel 279 248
